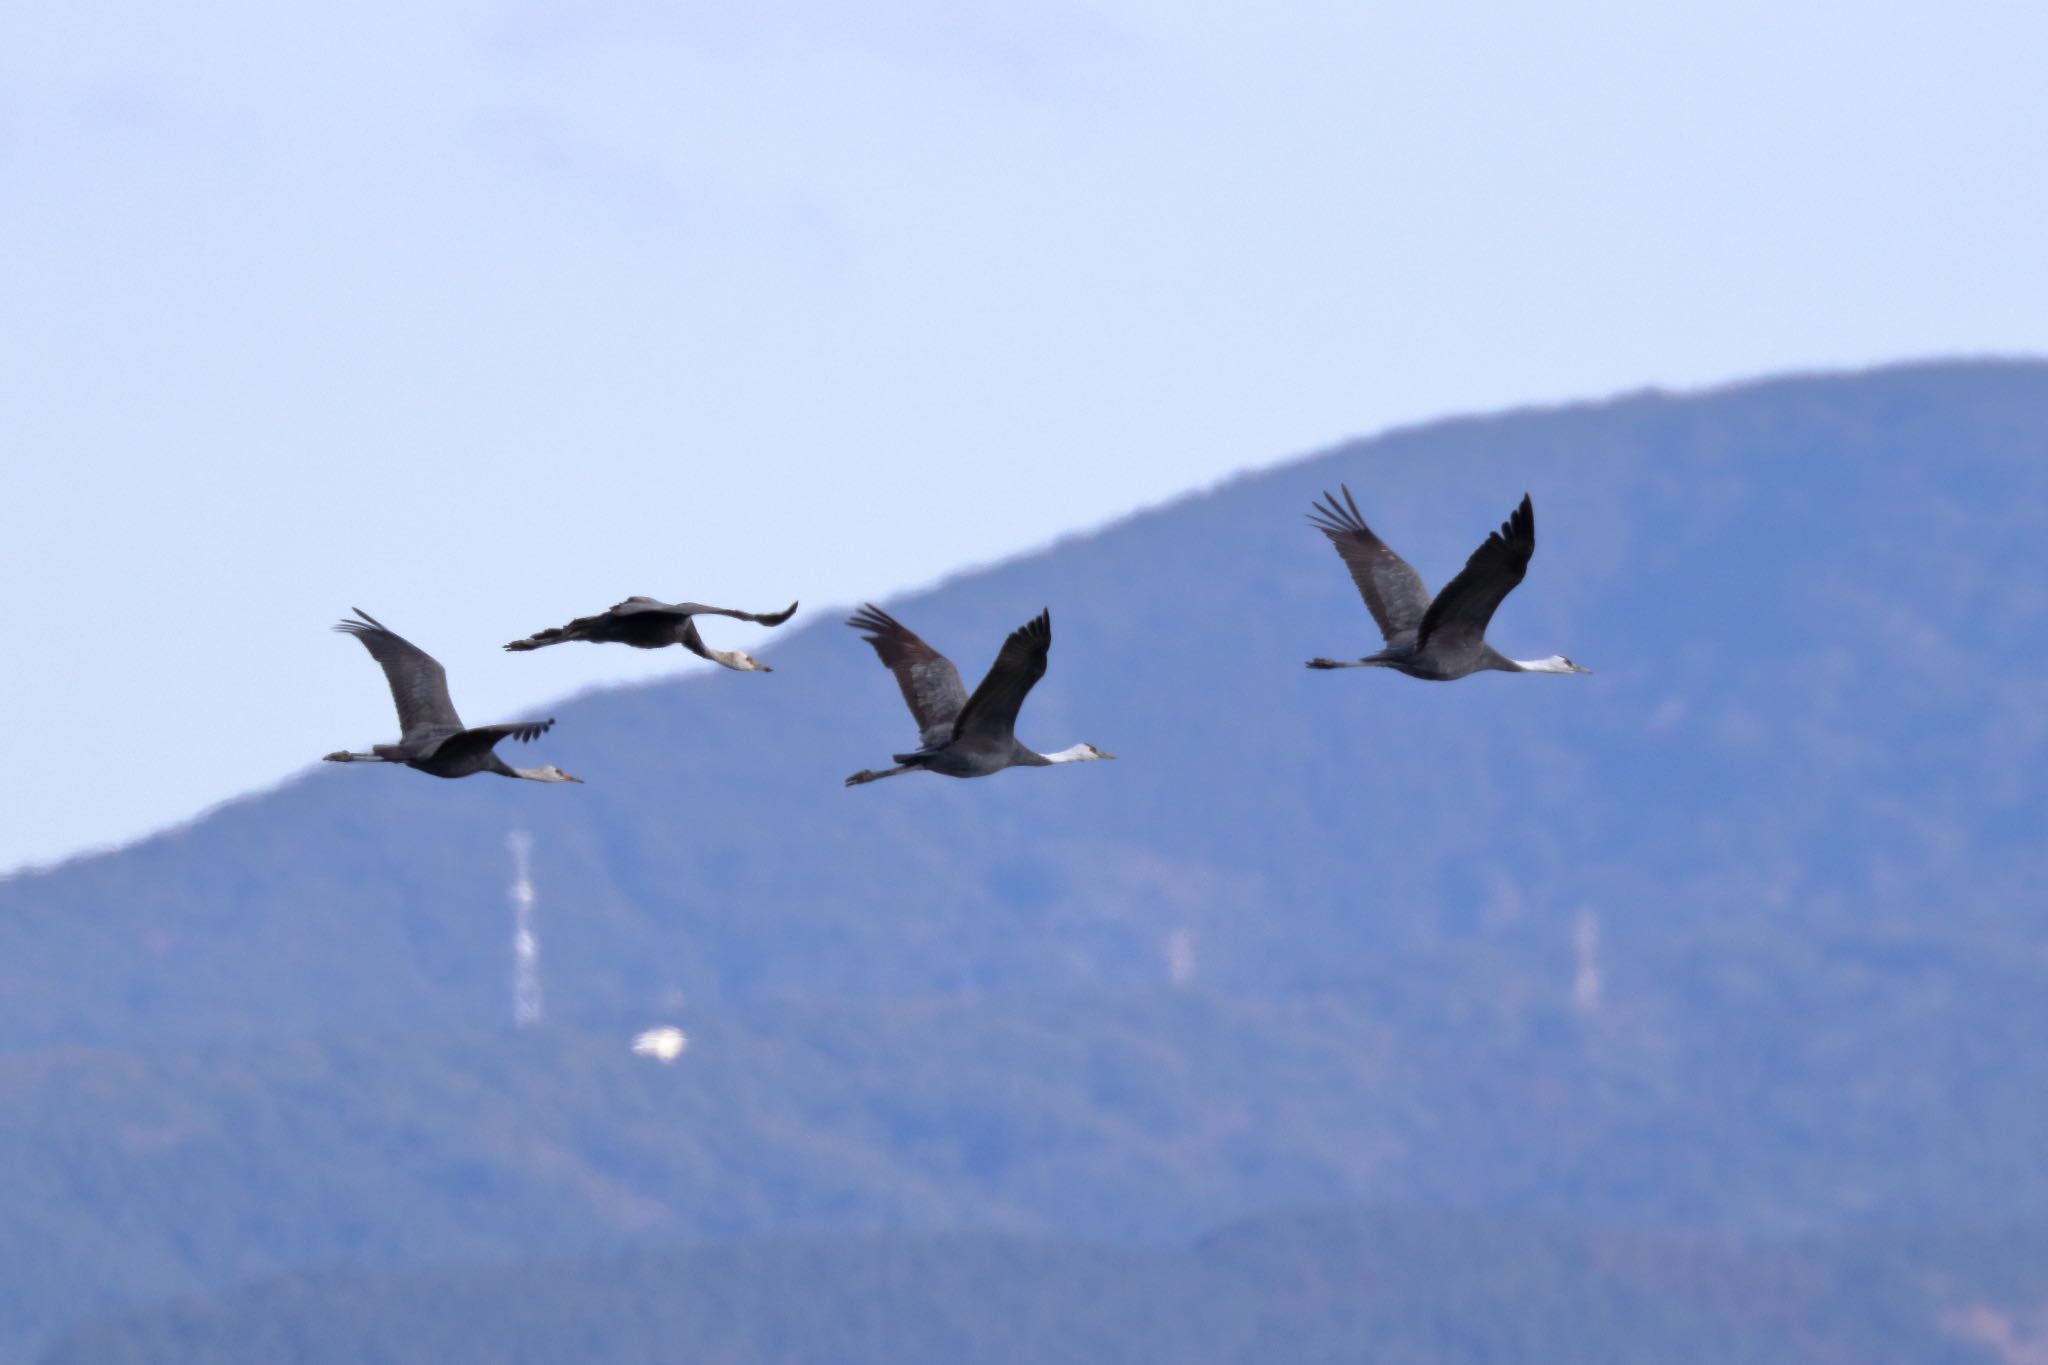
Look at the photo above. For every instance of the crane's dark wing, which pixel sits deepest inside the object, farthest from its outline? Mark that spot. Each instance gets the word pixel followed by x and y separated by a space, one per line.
pixel 770 618
pixel 1392 590
pixel 1458 616
pixel 419 687
pixel 634 606
pixel 931 685
pixel 991 713
pixel 645 623
pixel 485 737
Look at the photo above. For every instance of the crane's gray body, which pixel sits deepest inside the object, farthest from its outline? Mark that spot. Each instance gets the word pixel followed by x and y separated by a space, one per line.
pixel 459 753
pixel 971 758
pixel 432 737
pixel 1435 665
pixel 645 623
pixel 1440 638
pixel 959 735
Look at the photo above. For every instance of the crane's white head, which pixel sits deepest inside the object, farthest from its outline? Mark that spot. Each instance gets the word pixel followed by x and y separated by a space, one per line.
pixel 1080 753
pixel 547 772
pixel 1556 663
pixel 740 661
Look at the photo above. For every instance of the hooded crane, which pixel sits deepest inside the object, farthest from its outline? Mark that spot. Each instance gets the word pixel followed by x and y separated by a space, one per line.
pixel 1438 638
pixel 432 737
pixel 959 735
pixel 645 623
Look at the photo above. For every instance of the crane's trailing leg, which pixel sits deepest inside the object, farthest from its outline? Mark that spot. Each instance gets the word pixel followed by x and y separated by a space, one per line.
pixel 540 639
pixel 1332 663
pixel 344 756
pixel 870 775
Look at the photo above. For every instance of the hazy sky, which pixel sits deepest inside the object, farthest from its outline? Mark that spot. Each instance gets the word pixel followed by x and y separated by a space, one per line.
pixel 484 315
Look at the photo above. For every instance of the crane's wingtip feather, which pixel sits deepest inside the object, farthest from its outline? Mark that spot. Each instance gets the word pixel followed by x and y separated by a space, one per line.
pixel 872 618
pixel 1332 517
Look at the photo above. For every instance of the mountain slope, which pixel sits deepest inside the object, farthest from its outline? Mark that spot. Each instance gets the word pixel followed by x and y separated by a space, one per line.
pixel 1740 932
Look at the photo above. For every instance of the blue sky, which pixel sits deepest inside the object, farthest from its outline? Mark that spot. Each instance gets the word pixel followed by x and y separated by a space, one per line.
pixel 484 315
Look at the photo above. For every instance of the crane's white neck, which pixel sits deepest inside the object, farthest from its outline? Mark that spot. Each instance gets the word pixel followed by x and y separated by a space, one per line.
pixel 545 773
pixel 1080 753
pixel 1556 663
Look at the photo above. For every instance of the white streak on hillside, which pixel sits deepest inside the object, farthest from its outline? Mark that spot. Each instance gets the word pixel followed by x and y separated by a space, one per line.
pixel 526 996
pixel 1586 981
pixel 1180 956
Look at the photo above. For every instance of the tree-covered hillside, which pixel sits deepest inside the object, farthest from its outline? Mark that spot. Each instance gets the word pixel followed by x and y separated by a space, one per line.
pixel 1337 1287
pixel 1740 933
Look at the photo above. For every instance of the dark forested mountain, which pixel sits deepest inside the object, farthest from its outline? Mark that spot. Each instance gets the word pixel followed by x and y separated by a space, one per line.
pixel 1342 1287
pixel 1741 933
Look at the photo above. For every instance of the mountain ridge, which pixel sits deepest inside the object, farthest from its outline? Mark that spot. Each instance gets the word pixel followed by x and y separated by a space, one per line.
pixel 814 617
pixel 1112 651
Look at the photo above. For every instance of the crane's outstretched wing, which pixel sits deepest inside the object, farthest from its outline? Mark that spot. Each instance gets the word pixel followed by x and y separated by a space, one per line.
pixel 1392 590
pixel 769 618
pixel 634 606
pixel 419 686
pixel 485 737
pixel 931 685
pixel 991 713
pixel 1458 616
pixel 646 623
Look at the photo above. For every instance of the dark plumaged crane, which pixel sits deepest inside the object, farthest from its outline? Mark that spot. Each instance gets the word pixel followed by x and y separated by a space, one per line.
pixel 1443 637
pixel 432 737
pixel 645 623
pixel 959 735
